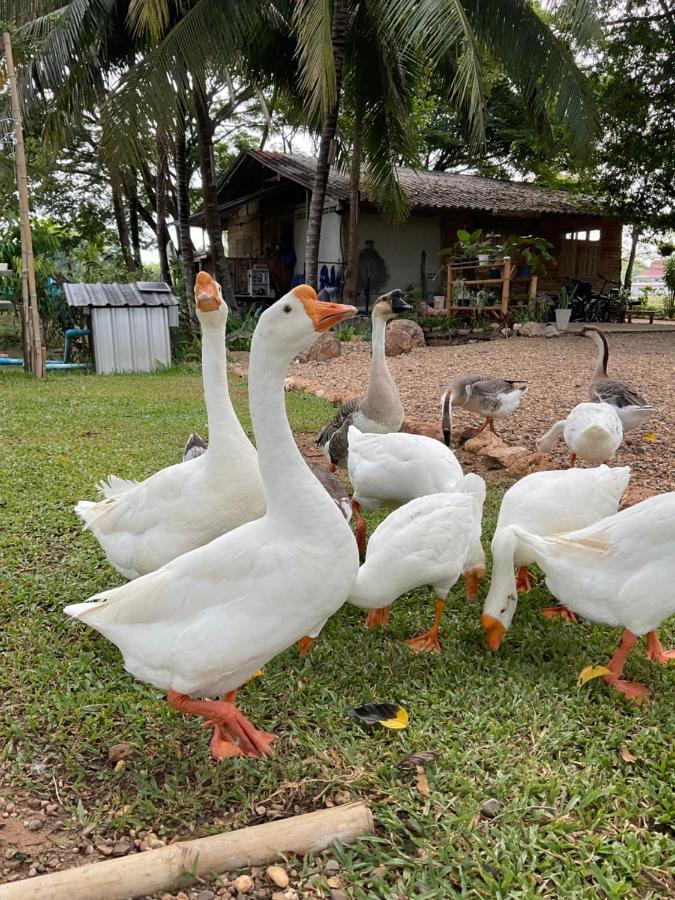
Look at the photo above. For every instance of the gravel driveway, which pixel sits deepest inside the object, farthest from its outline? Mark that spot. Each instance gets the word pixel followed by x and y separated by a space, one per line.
pixel 558 371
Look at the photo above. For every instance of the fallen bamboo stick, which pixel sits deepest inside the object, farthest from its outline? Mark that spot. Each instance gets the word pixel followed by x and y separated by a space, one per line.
pixel 156 870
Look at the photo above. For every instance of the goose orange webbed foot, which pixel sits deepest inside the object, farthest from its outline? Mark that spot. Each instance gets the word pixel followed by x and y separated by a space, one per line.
pixel 631 690
pixel 305 645
pixel 425 643
pixel 560 612
pixel 377 618
pixel 523 580
pixel 472 580
pixel 428 642
pixel 232 730
pixel 656 652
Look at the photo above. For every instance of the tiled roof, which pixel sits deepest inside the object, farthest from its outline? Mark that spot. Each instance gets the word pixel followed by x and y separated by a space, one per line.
pixel 440 190
pixel 140 293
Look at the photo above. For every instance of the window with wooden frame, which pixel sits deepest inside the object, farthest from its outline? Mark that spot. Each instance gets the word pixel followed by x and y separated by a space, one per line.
pixel 579 253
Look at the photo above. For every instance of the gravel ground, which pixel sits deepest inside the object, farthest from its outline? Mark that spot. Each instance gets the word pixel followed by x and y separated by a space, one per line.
pixel 558 372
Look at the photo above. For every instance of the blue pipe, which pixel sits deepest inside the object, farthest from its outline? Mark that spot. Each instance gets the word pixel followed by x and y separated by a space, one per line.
pixel 70 334
pixel 51 363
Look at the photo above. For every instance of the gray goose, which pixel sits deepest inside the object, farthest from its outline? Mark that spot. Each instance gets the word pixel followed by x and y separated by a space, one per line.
pixel 632 408
pixel 380 409
pixel 493 398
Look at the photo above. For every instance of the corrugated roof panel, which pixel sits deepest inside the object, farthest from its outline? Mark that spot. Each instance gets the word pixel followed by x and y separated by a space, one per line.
pixel 98 294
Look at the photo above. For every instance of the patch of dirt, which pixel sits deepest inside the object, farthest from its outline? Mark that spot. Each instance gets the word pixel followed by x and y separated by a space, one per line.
pixel 558 372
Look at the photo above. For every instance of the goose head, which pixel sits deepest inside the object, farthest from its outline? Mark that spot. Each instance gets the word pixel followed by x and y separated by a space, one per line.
pixel 390 305
pixel 502 599
pixel 209 304
pixel 293 323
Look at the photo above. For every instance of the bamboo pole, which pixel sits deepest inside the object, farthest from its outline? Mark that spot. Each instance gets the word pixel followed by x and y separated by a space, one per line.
pixel 35 362
pixel 156 870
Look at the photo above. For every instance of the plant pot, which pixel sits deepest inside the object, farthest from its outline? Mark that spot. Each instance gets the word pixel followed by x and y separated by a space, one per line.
pixel 483 259
pixel 562 318
pixel 524 271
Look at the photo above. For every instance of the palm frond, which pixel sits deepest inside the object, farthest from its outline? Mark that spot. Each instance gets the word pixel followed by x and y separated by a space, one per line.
pixel 154 91
pixel 312 22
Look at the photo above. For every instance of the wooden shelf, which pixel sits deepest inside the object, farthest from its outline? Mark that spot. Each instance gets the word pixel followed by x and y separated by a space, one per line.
pixel 475 309
pixel 505 281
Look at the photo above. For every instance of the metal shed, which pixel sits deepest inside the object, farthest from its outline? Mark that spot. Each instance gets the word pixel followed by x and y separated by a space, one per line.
pixel 129 323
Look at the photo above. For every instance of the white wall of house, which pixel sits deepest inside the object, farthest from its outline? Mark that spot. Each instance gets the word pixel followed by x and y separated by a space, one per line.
pixel 329 245
pixel 401 245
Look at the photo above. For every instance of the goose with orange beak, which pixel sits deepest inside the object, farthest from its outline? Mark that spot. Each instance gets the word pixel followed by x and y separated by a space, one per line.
pixel 619 572
pixel 143 525
pixel 202 625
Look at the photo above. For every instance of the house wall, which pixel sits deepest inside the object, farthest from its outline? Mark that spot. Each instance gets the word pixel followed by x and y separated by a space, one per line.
pixel 401 247
pixel 588 260
pixel 330 250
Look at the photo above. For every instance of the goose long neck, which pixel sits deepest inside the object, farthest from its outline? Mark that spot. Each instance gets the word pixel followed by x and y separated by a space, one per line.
pixel 291 490
pixel 380 385
pixel 224 426
pixel 603 355
pixel 378 360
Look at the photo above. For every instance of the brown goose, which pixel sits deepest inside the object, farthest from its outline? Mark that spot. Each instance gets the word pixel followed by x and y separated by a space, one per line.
pixel 632 408
pixel 482 394
pixel 380 409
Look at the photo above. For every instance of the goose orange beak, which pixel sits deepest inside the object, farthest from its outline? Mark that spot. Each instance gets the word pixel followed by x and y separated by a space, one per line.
pixel 323 315
pixel 495 631
pixel 206 293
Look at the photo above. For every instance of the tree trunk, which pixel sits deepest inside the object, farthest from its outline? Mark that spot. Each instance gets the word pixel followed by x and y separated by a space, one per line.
pixel 313 235
pixel 183 199
pixel 634 238
pixel 160 195
pixel 121 222
pixel 132 199
pixel 351 276
pixel 210 195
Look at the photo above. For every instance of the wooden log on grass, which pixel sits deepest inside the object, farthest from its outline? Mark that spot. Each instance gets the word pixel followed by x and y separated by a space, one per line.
pixel 156 870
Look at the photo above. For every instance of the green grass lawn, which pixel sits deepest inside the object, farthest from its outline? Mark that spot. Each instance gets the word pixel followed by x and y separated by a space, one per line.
pixel 577 820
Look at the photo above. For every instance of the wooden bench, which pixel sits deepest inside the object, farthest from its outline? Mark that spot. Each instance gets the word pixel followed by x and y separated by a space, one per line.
pixel 640 314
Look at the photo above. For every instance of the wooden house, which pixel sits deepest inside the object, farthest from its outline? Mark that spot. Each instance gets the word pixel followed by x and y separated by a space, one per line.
pixel 264 200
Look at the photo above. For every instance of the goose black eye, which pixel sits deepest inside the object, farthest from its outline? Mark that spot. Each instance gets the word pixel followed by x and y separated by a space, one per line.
pixel 287 308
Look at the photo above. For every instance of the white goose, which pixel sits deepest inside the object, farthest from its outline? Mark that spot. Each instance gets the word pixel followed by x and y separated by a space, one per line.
pixel 143 525
pixel 196 446
pixel 391 469
pixel 547 503
pixel 380 409
pixel 430 540
pixel 632 408
pixel 203 624
pixel 617 572
pixel 592 432
pixel 491 397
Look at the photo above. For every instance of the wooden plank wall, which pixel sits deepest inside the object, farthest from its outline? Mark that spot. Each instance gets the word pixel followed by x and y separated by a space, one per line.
pixel 585 259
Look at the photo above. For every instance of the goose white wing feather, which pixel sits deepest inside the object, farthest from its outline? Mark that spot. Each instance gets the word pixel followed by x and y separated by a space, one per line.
pixel 593 431
pixel 224 597
pixel 426 541
pixel 174 511
pixel 619 571
pixel 390 469
pixel 563 500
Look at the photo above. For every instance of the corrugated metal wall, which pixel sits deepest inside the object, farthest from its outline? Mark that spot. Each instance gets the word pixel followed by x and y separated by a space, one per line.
pixel 130 339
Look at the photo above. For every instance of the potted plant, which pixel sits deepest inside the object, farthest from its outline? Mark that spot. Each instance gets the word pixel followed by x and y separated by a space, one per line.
pixel 472 245
pixel 460 292
pixel 563 310
pixel 535 252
